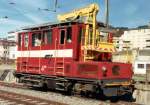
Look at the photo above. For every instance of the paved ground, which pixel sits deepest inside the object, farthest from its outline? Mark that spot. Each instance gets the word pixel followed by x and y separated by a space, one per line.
pixel 6 66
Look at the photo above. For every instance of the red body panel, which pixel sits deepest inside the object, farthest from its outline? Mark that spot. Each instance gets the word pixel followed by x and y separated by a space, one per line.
pixel 94 70
pixel 91 70
pixel 71 66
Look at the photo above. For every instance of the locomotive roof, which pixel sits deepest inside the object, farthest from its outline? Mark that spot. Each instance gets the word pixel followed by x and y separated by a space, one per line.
pixel 52 24
pixel 48 25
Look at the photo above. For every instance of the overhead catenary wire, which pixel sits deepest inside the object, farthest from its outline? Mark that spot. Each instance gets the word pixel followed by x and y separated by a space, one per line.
pixel 42 10
pixel 69 4
pixel 20 11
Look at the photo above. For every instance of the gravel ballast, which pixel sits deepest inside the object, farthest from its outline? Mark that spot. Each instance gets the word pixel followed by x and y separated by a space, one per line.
pixel 71 100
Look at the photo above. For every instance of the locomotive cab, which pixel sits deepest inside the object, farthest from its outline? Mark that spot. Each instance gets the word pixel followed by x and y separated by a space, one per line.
pixel 55 55
pixel 72 56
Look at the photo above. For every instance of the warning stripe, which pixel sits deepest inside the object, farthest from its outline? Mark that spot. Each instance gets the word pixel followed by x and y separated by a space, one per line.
pixel 99 48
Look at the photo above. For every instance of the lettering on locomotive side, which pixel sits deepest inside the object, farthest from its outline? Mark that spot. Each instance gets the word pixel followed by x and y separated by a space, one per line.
pixel 49 56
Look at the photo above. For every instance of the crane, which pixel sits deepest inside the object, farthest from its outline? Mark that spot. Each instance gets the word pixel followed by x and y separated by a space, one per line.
pixel 88 16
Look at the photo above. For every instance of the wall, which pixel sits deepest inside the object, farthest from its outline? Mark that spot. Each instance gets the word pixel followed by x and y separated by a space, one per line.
pixel 135 38
pixel 13 52
pixel 142 94
pixel 138 70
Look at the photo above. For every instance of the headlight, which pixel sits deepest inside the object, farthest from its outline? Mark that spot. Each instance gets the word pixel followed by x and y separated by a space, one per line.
pixel 104 71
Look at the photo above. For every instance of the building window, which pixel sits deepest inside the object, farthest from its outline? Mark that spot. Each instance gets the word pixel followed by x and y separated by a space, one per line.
pixel 127 47
pixel 4 47
pixel 140 66
pixel 11 36
pixel 147 40
pixel 126 41
pixel 26 40
pixel 147 66
pixel 69 34
pixel 13 56
pixel 5 52
pixel 62 37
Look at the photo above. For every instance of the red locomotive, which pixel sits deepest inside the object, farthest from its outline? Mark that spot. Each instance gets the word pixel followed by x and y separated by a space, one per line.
pixel 63 56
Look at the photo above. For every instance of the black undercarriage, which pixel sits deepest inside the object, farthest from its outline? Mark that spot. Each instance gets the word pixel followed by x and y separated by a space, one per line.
pixel 88 87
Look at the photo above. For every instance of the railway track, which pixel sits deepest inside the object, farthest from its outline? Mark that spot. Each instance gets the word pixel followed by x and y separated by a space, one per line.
pixel 11 98
pixel 108 102
pixel 13 85
pixel 19 99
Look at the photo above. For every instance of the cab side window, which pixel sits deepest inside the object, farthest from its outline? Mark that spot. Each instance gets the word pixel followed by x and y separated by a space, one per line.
pixel 36 39
pixel 62 36
pixel 47 37
pixel 19 40
pixel 26 40
pixel 69 34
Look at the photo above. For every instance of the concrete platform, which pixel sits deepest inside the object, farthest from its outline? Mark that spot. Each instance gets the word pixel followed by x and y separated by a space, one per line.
pixel 6 66
pixel 142 94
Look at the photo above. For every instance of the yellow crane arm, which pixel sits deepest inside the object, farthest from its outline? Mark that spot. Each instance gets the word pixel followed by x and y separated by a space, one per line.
pixel 78 13
pixel 88 16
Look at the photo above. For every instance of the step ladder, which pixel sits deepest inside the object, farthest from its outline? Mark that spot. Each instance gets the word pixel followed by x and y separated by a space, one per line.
pixel 59 66
pixel 59 62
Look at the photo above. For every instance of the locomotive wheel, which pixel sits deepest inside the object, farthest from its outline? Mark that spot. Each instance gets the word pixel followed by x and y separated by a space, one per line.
pixel 89 94
pixel 69 91
pixel 83 94
pixel 44 87
pixel 114 98
pixel 100 95
pixel 129 97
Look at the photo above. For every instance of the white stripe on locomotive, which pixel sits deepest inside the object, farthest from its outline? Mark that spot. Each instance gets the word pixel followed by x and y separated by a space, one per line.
pixel 43 53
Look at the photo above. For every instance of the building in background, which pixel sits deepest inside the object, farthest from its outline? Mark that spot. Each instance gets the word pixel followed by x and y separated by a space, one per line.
pixel 133 46
pixel 135 39
pixel 12 50
pixel 5 46
pixel 12 37
pixel 4 52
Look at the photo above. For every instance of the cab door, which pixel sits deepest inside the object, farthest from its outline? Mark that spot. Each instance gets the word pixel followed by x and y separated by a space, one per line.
pixel 59 52
pixel 64 46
